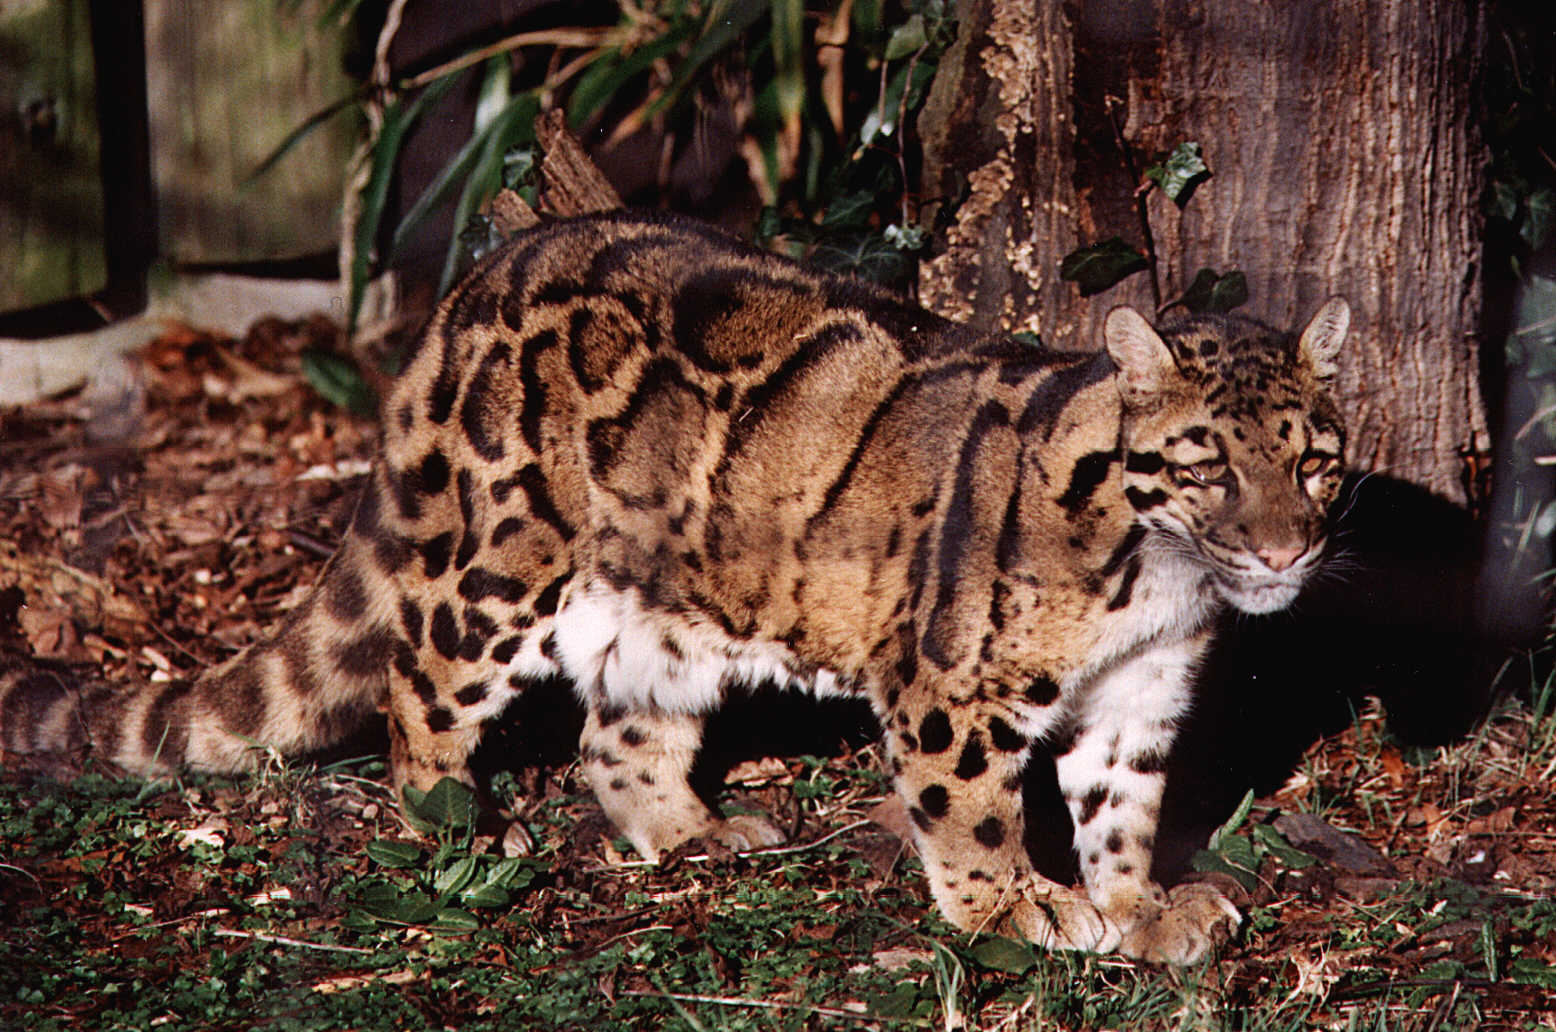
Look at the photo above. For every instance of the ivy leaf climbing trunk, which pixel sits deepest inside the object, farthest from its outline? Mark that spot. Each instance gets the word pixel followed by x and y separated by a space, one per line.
pixel 1344 159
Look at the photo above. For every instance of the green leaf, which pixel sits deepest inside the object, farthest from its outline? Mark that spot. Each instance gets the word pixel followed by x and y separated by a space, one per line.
pixel 515 126
pixel 1100 266
pixel 849 211
pixel 906 39
pixel 1239 815
pixel 1211 292
pixel 447 805
pixel 1528 971
pixel 1506 199
pixel 454 922
pixel 788 40
pixel 338 380
pixel 457 169
pixel 394 853
pixel 998 953
pixel 296 136
pixel 903 1001
pixel 1028 338
pixel 1277 846
pixel 607 77
pixel 456 877
pixel 1539 219
pixel 486 896
pixel 1207 862
pixel 867 17
pixel 398 119
pixel 387 902
pixel 496 78
pixel 512 873
pixel 1179 173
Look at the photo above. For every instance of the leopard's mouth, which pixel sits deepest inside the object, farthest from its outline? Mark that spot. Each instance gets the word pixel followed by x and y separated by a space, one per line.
pixel 1257 596
pixel 1254 588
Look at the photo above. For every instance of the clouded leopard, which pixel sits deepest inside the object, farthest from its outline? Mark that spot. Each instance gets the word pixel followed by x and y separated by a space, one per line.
pixel 635 452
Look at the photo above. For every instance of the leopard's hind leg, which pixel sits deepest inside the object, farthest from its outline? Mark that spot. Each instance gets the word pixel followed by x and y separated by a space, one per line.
pixel 639 762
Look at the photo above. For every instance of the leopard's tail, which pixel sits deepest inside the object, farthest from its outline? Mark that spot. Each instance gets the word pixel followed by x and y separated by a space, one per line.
pixel 307 685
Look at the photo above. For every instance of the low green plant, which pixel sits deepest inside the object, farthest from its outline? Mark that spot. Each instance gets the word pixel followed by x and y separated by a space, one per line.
pixel 436 888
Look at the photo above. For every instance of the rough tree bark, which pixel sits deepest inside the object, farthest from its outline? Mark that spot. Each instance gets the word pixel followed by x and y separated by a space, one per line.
pixel 1345 159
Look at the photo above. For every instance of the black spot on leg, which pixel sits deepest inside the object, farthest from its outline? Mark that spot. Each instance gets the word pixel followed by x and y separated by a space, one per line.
pixel 1042 691
pixel 1151 762
pixel 504 651
pixel 1005 737
pixel 990 833
pixel 1091 803
pixel 618 784
pixel 546 601
pixel 435 554
pixel 445 632
pixel 1115 841
pixel 471 693
pixel 411 621
pixel 973 762
pixel 935 800
pixel 633 735
pixel 934 731
pixel 439 719
pixel 920 818
pixel 1125 868
pixel 422 685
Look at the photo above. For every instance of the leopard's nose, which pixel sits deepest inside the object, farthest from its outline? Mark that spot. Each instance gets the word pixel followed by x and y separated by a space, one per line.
pixel 1281 557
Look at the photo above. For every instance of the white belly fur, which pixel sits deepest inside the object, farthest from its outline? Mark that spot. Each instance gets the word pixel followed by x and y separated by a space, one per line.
pixel 622 654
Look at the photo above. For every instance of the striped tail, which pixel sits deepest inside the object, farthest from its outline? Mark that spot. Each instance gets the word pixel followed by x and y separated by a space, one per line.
pixel 309 684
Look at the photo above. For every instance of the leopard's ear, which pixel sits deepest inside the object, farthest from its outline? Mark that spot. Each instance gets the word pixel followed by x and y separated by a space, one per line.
pixel 1145 365
pixel 1320 342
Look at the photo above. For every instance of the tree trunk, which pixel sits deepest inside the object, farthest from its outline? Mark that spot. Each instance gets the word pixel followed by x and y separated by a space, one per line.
pixel 1344 160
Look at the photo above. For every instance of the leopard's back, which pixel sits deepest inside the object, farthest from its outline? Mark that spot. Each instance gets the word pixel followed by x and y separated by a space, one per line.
pixel 688 463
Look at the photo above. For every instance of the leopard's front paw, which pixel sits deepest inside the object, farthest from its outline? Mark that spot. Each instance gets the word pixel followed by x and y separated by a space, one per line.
pixel 1057 917
pixel 1178 929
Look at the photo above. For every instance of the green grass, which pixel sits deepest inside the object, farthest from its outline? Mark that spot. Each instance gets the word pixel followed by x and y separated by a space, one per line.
pixel 299 900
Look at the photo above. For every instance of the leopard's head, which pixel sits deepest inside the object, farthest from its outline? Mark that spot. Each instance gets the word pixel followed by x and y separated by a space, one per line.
pixel 1232 444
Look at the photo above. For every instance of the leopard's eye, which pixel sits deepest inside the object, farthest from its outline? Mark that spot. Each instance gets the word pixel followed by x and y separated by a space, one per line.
pixel 1206 473
pixel 1314 463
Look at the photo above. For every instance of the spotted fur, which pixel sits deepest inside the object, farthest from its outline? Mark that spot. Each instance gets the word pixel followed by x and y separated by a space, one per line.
pixel 635 452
